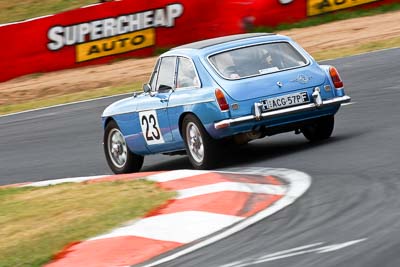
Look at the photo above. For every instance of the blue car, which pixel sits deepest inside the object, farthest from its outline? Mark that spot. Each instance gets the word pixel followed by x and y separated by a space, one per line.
pixel 228 90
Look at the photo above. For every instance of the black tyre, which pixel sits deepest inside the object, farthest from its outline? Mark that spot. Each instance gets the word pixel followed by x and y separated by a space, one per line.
pixel 200 146
pixel 319 130
pixel 119 157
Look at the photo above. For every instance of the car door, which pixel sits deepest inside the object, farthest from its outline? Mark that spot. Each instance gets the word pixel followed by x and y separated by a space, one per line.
pixel 152 110
pixel 184 98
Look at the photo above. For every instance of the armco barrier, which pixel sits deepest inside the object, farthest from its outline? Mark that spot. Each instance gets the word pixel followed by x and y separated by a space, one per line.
pixel 275 12
pixel 100 33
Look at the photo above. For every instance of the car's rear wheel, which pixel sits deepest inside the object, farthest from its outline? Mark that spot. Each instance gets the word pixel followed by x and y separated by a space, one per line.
pixel 320 129
pixel 200 146
pixel 119 157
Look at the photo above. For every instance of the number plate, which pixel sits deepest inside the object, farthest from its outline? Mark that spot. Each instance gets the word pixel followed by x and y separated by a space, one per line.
pixel 284 101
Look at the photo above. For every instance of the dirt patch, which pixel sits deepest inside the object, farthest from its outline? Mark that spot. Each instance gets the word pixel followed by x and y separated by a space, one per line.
pixel 75 80
pixel 347 33
pixel 335 35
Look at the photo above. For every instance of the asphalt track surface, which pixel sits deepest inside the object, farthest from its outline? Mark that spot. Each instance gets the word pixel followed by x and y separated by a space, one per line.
pixel 353 197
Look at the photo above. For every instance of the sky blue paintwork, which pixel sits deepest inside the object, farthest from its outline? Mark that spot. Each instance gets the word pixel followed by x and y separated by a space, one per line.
pixel 173 105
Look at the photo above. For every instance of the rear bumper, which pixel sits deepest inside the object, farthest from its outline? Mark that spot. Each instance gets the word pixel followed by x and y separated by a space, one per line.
pixel 258 115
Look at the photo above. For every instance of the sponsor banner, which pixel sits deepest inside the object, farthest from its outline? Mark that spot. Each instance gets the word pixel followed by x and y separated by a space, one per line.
pixel 316 7
pixel 115 45
pixel 113 35
pixel 274 12
pixel 100 33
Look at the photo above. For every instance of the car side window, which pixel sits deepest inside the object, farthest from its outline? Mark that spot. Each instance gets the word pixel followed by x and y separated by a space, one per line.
pixel 166 74
pixel 187 76
pixel 153 78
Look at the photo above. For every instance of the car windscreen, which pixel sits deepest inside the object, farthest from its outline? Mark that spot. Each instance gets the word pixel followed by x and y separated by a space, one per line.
pixel 257 60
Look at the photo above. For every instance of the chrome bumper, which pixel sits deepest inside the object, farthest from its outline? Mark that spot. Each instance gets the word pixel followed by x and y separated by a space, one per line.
pixel 317 104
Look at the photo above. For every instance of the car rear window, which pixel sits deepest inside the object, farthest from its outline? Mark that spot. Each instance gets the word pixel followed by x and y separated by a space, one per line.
pixel 257 60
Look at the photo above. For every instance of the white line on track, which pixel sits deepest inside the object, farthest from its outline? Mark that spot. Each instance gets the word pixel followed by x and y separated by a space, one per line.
pixel 63 105
pixel 360 54
pixel 298 183
pixel 63 180
pixel 105 97
pixel 307 249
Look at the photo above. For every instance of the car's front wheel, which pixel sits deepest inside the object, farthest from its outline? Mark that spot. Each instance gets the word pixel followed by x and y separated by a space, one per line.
pixel 119 157
pixel 320 129
pixel 200 146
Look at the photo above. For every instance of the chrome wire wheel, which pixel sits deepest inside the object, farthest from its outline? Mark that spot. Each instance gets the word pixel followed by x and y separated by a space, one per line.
pixel 195 142
pixel 117 149
pixel 118 155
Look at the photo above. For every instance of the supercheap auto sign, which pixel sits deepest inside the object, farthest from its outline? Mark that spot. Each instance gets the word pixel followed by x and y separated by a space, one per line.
pixel 114 35
pixel 316 7
pixel 103 32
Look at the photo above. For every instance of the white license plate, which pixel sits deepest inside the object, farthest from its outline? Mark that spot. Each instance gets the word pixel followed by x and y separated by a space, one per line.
pixel 284 101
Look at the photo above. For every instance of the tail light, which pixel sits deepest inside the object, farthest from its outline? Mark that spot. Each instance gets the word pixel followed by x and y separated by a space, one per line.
pixel 223 104
pixel 337 81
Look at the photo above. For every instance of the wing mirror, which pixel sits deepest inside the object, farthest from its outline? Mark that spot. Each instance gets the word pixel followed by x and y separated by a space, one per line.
pixel 146 88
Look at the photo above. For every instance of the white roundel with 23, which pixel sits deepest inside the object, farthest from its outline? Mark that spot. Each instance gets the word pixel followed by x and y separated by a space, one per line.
pixel 150 127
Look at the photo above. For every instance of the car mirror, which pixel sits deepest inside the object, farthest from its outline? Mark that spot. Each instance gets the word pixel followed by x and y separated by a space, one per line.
pixel 146 88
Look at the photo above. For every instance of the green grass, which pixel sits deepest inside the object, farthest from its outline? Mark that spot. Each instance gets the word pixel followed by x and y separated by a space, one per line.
pixel 36 223
pixel 354 50
pixel 330 17
pixel 25 9
pixel 69 98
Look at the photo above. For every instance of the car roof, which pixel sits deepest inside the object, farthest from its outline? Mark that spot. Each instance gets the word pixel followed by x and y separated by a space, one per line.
pixel 220 40
pixel 215 45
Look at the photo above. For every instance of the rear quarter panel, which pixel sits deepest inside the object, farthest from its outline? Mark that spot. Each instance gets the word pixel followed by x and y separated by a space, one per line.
pixel 337 92
pixel 198 101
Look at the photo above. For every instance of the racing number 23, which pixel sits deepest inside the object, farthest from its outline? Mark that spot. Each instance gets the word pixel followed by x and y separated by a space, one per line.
pixel 150 127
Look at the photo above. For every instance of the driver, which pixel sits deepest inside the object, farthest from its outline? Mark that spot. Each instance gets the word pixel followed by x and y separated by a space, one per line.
pixel 267 59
